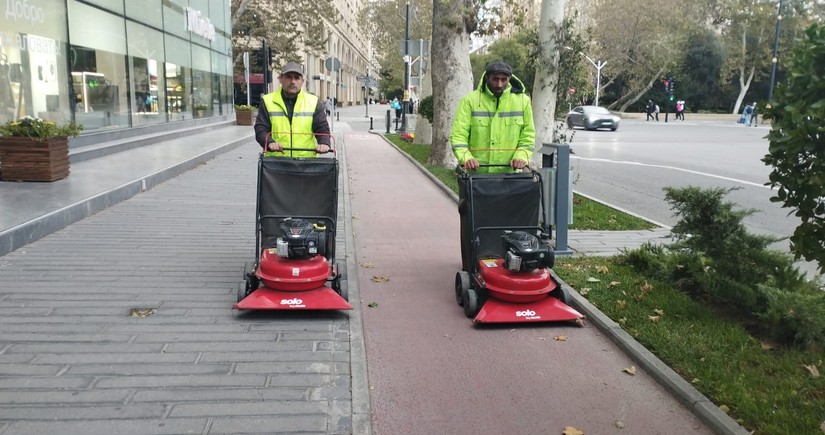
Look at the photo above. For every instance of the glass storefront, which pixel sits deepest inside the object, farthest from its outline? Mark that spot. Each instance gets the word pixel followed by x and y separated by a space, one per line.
pixel 141 62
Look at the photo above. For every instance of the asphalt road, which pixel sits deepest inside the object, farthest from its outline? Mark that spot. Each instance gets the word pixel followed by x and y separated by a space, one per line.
pixel 630 167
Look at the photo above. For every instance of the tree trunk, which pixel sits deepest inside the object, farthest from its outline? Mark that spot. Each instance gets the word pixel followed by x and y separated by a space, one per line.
pixel 547 74
pixel 452 23
pixel 423 128
pixel 744 85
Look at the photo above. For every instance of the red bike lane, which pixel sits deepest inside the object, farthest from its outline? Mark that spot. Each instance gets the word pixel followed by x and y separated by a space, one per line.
pixel 432 371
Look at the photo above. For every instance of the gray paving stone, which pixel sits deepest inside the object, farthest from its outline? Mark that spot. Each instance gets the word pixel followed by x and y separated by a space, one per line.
pixel 286 424
pixel 109 427
pixel 181 381
pixel 147 369
pixel 82 412
pixel 262 408
pixel 63 397
pixel 233 394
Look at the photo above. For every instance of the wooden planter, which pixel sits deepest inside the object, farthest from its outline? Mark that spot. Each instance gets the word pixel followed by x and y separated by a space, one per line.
pixel 244 118
pixel 24 159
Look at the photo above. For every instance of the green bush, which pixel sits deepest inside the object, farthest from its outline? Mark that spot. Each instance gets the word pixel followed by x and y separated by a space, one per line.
pixel 715 259
pixel 425 108
pixel 797 144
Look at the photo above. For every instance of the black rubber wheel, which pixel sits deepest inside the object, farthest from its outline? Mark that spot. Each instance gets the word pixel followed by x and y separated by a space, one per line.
pixel 242 290
pixel 561 294
pixel 343 289
pixel 569 124
pixel 471 303
pixel 462 283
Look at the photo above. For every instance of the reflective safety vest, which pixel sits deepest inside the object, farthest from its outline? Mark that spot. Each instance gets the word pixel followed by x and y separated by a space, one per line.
pixel 298 132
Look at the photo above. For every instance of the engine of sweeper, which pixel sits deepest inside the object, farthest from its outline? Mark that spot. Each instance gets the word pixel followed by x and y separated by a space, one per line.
pixel 526 252
pixel 301 238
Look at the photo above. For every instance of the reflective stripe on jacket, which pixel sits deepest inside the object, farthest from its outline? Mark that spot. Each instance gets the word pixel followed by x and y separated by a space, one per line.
pixel 298 132
pixel 504 124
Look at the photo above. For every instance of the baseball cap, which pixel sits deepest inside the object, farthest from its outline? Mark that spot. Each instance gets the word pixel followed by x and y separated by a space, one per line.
pixel 499 67
pixel 292 67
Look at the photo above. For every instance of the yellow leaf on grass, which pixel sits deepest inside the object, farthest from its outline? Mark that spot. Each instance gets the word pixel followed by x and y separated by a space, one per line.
pixel 591 279
pixel 766 346
pixel 646 288
pixel 812 370
pixel 380 278
pixel 822 427
pixel 613 284
pixel 659 312
pixel 560 338
pixel 630 370
pixel 602 269
pixel 368 265
pixel 623 320
pixel 724 408
pixel 570 430
pixel 654 318
pixel 620 304
pixel 584 291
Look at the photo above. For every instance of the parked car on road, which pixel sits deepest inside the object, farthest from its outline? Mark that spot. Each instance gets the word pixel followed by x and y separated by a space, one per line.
pixel 592 118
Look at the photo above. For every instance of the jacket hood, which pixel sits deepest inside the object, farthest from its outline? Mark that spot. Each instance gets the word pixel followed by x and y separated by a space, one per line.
pixel 516 86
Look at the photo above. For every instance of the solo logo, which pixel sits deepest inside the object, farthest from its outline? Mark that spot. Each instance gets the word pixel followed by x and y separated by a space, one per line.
pixel 294 301
pixel 526 313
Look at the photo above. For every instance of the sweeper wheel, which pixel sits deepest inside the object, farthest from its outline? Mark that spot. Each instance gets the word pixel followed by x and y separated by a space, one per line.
pixel 242 291
pixel 340 287
pixel 561 294
pixel 462 284
pixel 471 306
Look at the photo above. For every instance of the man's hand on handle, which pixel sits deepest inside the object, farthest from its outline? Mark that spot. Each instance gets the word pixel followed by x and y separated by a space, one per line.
pixel 274 147
pixel 471 165
pixel 518 164
pixel 323 149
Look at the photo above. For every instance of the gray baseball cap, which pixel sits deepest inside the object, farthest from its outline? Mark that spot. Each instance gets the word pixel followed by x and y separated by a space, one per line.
pixel 292 67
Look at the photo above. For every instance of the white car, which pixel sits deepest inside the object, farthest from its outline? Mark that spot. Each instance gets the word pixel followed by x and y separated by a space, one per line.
pixel 592 118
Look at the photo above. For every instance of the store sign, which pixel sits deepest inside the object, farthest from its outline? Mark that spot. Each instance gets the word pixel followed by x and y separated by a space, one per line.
pixel 199 25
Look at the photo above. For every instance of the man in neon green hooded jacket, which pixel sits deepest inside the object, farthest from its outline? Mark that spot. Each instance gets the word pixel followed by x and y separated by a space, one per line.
pixel 493 124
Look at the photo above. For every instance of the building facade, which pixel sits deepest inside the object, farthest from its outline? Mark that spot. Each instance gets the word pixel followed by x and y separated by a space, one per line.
pixel 115 64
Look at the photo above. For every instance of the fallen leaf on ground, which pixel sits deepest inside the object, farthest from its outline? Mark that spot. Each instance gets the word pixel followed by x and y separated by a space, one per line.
pixel 570 430
pixel 724 408
pixel 142 312
pixel 623 320
pixel 695 381
pixel 812 370
pixel 630 370
pixel 639 297
pixel 373 305
pixel 613 284
pixel 766 346
pixel 822 427
pixel 380 278
pixel 580 322
pixel 602 269
pixel 654 318
pixel 619 424
pixel 591 279
pixel 584 291
pixel 560 338
pixel 659 312
pixel 368 265
pixel 620 304
pixel 646 288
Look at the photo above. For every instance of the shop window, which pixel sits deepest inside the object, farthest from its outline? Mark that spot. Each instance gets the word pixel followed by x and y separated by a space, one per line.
pixel 178 94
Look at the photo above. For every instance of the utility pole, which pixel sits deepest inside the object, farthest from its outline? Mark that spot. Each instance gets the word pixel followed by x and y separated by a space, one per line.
pixel 774 59
pixel 406 95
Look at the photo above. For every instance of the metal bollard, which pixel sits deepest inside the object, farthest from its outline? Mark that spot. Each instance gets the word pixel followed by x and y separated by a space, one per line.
pixel 370 122
pixel 337 116
pixel 388 122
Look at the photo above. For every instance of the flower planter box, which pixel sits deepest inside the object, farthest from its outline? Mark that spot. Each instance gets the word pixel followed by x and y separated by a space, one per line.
pixel 25 159
pixel 244 118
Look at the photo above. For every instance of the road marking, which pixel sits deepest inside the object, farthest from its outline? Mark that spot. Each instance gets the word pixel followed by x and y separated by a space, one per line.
pixel 625 162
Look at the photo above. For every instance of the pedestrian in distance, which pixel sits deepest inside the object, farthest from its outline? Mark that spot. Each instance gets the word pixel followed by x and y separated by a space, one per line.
pixel 649 110
pixel 754 115
pixel 680 110
pixel 328 106
pixel 656 111
pixel 395 104
pixel 293 118
pixel 747 112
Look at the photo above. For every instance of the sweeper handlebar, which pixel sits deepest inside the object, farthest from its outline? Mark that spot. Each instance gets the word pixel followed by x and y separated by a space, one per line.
pixel 332 148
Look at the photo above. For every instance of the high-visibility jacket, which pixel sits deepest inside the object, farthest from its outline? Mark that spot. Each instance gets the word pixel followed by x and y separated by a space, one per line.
pixel 494 130
pixel 296 133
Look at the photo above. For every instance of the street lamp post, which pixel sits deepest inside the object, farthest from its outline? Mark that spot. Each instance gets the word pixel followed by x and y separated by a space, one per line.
pixel 775 49
pixel 405 101
pixel 599 65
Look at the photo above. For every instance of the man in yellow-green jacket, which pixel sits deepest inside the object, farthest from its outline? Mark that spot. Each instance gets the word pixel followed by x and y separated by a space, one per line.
pixel 494 123
pixel 292 118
